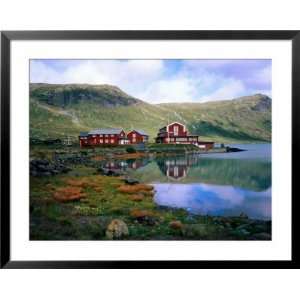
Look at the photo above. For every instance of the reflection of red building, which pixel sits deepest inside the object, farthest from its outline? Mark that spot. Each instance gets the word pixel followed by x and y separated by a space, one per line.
pixel 176 133
pixel 177 167
pixel 176 172
pixel 137 136
pixel 124 164
pixel 103 137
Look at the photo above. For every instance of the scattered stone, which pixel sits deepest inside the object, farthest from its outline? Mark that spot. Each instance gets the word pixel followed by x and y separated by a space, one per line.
pixel 262 236
pixel 200 231
pixel 144 217
pixel 131 181
pixel 117 229
pixel 244 227
pixel 43 167
pixel 110 172
pixel 241 233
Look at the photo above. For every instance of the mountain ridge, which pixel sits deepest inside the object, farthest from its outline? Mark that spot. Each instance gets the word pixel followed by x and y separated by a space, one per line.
pixel 244 119
pixel 68 94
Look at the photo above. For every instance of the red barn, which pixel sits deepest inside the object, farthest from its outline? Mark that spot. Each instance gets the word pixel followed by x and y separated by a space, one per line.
pixel 103 137
pixel 137 137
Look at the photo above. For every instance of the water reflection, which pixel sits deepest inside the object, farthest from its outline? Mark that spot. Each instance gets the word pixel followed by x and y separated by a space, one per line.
pixel 223 184
pixel 176 167
pixel 215 200
pixel 250 174
pixel 132 164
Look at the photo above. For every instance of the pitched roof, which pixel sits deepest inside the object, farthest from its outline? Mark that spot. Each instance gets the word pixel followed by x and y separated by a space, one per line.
pixel 106 131
pixel 141 132
pixel 85 133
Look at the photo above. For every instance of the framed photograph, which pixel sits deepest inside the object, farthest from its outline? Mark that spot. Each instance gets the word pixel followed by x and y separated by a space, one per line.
pixel 149 149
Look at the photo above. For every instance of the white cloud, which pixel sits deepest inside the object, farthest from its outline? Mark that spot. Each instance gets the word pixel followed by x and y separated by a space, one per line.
pixel 173 90
pixel 98 71
pixel 151 80
pixel 39 72
pixel 228 90
pixel 264 76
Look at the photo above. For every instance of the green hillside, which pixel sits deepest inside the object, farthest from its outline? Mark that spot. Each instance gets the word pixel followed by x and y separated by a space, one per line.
pixel 60 110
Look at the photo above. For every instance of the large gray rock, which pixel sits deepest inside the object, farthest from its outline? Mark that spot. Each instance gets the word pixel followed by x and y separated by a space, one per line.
pixel 43 167
pixel 131 181
pixel 117 229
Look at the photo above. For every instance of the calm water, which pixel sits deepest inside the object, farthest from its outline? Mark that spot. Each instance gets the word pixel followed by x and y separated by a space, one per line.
pixel 226 184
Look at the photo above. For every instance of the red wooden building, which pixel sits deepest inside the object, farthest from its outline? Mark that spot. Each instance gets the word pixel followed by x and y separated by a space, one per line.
pixel 103 137
pixel 176 133
pixel 137 136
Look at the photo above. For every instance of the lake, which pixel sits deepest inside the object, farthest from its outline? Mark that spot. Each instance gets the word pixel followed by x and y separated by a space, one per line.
pixel 224 184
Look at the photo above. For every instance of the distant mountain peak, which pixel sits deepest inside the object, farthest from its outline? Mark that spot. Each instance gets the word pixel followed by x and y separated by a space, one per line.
pixel 68 94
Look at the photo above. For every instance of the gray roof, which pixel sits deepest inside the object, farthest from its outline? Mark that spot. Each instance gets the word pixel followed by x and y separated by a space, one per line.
pixel 106 131
pixel 141 132
pixel 83 134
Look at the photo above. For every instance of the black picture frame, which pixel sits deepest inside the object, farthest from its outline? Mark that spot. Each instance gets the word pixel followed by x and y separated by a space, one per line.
pixel 8 36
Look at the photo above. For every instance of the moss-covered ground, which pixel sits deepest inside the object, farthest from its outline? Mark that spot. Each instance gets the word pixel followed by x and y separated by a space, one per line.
pixel 81 204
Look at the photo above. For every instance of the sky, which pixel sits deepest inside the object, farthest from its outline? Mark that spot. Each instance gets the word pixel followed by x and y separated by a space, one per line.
pixel 162 81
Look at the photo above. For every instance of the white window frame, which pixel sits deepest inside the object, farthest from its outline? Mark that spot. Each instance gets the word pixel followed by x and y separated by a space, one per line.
pixel 176 129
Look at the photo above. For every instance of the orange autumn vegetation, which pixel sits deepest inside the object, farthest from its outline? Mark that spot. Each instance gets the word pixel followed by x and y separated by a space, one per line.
pixel 176 224
pixel 67 194
pixel 139 213
pixel 137 188
pixel 82 182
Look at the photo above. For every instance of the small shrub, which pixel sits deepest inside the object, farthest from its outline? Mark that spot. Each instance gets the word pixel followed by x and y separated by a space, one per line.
pixel 176 224
pixel 138 213
pixel 83 182
pixel 130 150
pixel 68 194
pixel 137 188
pixel 87 211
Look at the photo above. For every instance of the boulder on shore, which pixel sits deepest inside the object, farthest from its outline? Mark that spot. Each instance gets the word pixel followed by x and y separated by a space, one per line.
pixel 110 172
pixel 43 167
pixel 117 229
pixel 131 181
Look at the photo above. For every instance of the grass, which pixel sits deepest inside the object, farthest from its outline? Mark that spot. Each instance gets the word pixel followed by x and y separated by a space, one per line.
pixel 83 207
pixel 223 122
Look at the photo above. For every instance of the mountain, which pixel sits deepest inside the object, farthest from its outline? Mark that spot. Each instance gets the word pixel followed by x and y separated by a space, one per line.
pixel 64 95
pixel 65 110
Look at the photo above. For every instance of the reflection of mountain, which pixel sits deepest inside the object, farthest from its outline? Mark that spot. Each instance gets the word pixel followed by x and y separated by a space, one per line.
pixel 251 174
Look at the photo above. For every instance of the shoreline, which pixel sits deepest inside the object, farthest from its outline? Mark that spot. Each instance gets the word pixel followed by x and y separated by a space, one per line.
pixel 85 207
